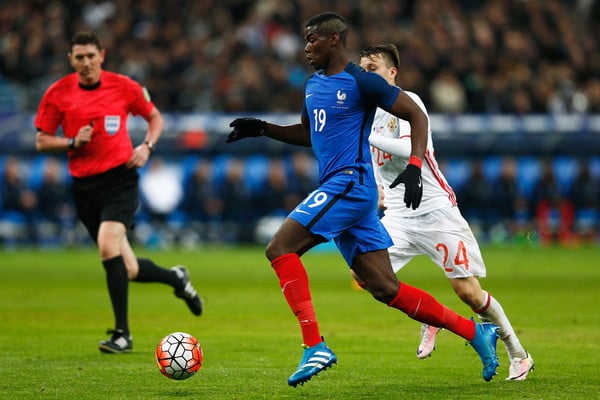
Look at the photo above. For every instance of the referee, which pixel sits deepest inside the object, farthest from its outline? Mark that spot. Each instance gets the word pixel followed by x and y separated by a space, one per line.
pixel 92 105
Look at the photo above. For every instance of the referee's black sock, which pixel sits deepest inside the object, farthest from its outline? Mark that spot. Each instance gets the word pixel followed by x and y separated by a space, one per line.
pixel 118 287
pixel 150 272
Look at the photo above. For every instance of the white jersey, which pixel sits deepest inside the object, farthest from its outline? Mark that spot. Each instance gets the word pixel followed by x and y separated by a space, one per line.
pixel 436 228
pixel 390 150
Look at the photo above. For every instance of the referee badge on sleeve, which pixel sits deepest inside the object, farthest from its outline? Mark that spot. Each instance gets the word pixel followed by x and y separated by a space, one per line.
pixel 112 123
pixel 146 93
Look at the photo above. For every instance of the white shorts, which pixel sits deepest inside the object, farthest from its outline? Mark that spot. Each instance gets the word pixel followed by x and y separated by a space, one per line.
pixel 443 235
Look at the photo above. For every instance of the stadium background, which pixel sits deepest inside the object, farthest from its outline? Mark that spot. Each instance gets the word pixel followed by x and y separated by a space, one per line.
pixel 507 82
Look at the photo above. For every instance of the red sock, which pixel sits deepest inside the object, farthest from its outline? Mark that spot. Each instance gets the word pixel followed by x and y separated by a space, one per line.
pixel 294 285
pixel 423 307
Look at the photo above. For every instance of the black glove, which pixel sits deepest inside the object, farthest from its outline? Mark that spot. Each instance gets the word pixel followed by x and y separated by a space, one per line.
pixel 413 186
pixel 245 128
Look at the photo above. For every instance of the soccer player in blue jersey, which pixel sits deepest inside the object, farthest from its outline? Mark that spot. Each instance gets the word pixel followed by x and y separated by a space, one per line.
pixel 340 102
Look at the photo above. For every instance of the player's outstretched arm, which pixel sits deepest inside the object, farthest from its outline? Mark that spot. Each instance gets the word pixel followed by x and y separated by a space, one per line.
pixel 253 127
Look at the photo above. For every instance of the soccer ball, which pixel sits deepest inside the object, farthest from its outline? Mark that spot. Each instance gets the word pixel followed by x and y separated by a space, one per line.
pixel 179 355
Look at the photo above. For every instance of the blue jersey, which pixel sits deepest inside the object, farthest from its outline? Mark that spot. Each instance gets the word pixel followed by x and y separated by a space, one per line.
pixel 340 109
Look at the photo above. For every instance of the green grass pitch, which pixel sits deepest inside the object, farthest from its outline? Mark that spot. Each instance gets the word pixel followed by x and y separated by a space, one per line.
pixel 54 309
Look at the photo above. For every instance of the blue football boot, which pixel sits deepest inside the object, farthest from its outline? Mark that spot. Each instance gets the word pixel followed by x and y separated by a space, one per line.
pixel 484 343
pixel 314 360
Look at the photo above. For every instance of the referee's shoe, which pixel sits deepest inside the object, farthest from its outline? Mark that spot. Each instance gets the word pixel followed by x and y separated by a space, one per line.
pixel 186 291
pixel 120 342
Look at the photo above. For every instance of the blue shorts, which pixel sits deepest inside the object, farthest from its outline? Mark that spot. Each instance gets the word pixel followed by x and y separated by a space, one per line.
pixel 345 211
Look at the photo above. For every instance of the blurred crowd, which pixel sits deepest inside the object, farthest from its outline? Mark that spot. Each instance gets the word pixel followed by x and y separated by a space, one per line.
pixel 195 200
pixel 460 56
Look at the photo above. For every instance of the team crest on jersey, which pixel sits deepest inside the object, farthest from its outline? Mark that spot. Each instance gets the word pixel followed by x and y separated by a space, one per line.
pixel 112 123
pixel 341 97
pixel 392 124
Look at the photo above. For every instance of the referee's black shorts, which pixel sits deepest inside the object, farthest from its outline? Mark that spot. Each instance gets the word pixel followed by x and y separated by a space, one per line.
pixel 109 196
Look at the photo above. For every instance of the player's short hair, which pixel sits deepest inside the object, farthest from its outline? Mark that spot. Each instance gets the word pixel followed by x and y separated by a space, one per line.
pixel 86 37
pixel 328 23
pixel 388 52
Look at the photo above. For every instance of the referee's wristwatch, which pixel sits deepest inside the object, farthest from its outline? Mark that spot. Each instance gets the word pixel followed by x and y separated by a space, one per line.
pixel 150 145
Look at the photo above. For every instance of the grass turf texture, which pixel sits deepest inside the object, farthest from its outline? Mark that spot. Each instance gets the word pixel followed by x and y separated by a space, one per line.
pixel 54 308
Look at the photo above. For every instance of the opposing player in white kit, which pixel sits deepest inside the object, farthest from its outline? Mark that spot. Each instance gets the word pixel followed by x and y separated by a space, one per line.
pixel 437 228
